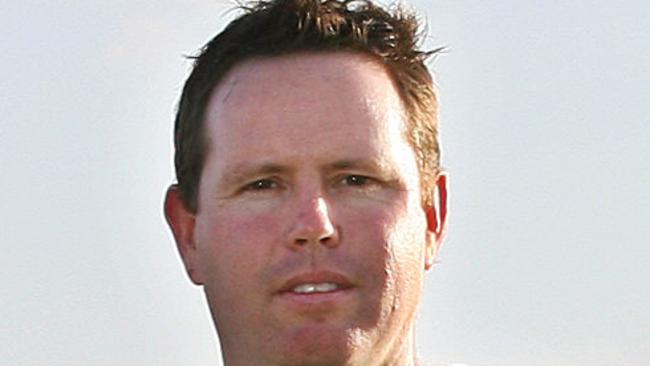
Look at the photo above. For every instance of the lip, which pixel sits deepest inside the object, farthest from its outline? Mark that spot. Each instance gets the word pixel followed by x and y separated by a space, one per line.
pixel 315 277
pixel 319 303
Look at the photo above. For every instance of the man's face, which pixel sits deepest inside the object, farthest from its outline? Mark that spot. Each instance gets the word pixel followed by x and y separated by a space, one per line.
pixel 310 238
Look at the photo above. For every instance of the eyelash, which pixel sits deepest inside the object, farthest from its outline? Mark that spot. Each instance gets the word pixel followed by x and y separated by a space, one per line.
pixel 356 180
pixel 261 185
pixel 348 180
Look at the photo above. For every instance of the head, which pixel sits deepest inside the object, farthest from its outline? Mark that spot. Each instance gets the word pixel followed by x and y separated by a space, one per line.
pixel 309 200
pixel 283 27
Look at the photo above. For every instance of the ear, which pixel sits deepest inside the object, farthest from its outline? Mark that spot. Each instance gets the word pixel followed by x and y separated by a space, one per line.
pixel 436 220
pixel 181 221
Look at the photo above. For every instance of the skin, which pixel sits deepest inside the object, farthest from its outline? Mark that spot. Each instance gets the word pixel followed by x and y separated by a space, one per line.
pixel 307 171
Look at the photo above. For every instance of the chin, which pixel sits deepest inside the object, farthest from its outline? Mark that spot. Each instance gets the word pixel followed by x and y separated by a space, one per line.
pixel 317 345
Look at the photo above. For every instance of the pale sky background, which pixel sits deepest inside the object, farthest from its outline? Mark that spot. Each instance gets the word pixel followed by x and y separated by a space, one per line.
pixel 545 130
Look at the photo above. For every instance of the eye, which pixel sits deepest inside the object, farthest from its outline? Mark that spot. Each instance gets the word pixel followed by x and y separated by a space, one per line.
pixel 356 180
pixel 357 183
pixel 261 185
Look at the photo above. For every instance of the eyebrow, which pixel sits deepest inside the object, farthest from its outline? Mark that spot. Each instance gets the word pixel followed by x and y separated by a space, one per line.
pixel 373 165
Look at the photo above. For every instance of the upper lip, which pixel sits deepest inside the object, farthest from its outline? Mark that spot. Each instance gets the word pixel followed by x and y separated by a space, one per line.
pixel 315 277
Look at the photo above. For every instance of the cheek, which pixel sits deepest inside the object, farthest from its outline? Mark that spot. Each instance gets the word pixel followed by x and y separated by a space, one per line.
pixel 249 229
pixel 407 248
pixel 391 246
pixel 392 229
pixel 366 236
pixel 233 243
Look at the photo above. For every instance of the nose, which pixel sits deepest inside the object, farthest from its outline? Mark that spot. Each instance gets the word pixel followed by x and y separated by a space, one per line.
pixel 313 225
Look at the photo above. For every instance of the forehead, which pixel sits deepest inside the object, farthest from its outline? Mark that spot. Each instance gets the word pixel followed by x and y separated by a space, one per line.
pixel 306 99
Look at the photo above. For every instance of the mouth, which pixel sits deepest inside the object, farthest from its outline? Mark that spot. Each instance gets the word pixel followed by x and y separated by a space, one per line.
pixel 316 290
pixel 311 288
pixel 315 283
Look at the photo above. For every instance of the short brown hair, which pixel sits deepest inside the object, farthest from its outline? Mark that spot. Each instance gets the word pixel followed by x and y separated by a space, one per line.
pixel 279 27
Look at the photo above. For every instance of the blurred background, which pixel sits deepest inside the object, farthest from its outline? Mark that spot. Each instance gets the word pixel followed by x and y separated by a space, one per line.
pixel 546 134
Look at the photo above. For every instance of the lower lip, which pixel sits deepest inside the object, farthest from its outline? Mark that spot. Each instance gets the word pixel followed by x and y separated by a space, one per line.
pixel 316 300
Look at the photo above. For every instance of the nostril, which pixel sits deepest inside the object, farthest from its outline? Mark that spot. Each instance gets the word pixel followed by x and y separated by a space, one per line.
pixel 326 240
pixel 313 224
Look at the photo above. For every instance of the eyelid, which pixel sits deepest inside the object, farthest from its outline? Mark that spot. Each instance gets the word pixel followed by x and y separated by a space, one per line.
pixel 368 179
pixel 251 185
pixel 361 176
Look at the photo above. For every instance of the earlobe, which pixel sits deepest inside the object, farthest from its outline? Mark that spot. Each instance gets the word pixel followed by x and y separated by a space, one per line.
pixel 181 222
pixel 436 215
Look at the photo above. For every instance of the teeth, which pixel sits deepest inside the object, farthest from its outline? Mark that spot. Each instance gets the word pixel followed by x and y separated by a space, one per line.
pixel 309 288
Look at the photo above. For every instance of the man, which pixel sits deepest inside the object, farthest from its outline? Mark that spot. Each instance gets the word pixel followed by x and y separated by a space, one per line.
pixel 310 199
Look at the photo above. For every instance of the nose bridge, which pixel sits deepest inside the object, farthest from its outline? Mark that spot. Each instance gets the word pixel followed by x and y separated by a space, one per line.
pixel 316 212
pixel 312 220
